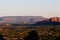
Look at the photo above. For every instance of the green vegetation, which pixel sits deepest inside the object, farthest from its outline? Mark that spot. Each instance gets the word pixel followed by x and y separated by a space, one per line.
pixel 45 32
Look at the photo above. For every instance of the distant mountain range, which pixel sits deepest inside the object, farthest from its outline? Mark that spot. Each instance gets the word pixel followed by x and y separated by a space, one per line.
pixel 27 19
pixel 21 19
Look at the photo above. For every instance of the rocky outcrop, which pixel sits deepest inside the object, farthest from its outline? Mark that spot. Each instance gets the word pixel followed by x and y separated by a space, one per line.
pixel 54 19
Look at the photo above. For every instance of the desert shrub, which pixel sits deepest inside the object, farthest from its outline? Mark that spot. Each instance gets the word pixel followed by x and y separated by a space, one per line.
pixel 32 36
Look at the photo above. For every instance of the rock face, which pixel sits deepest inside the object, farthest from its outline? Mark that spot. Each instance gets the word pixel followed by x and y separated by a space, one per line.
pixel 54 19
pixel 21 19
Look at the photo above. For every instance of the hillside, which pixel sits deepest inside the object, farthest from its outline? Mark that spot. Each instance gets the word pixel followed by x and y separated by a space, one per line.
pixel 21 19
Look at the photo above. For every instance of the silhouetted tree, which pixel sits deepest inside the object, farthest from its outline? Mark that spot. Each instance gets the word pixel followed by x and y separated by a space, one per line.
pixel 32 36
pixel 58 38
pixel 1 37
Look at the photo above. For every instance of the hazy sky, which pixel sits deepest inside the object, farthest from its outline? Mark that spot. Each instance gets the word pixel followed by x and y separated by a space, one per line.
pixel 46 8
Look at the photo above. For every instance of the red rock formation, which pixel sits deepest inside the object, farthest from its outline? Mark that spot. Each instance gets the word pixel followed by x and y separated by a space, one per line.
pixel 54 19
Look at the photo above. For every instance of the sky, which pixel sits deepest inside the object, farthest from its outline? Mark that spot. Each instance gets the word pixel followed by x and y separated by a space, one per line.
pixel 45 8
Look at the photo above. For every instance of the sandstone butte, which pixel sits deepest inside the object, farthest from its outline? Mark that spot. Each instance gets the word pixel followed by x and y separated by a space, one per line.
pixel 54 19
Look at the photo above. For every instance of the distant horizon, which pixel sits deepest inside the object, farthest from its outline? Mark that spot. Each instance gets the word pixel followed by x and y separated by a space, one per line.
pixel 41 16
